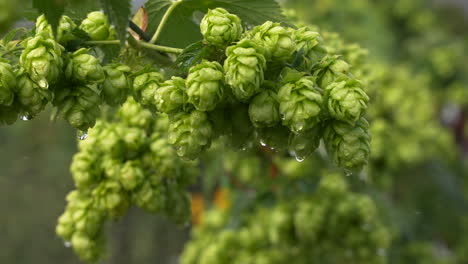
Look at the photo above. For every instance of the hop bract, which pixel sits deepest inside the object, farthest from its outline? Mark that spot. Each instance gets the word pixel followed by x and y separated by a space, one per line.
pixel 171 95
pixel 42 59
pixel 299 101
pixel 145 86
pixel 244 69
pixel 346 100
pixel 117 84
pixel 277 41
pixel 7 84
pixel 220 28
pixel 348 145
pixel 84 68
pixel 97 26
pixel 205 87
pixel 264 109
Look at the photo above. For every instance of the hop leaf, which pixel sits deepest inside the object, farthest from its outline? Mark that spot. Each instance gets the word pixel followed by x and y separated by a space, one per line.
pixel 264 109
pixel 145 86
pixel 348 145
pixel 346 100
pixel 7 84
pixel 276 40
pixel 190 133
pixel 220 28
pixel 42 59
pixel 205 85
pixel 299 101
pixel 117 84
pixel 97 26
pixel 171 95
pixel 84 68
pixel 244 69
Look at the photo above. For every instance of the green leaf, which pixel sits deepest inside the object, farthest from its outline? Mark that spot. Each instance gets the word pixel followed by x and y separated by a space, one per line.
pixel 52 9
pixel 192 55
pixel 182 27
pixel 118 12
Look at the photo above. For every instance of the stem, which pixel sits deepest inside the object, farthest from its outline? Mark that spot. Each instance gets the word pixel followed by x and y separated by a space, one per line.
pixel 164 20
pixel 140 43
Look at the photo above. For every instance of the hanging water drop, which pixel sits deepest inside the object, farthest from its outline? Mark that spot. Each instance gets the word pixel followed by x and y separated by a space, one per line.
pixel 348 173
pixel 25 118
pixel 83 135
pixel 67 244
pixel 263 143
pixel 299 158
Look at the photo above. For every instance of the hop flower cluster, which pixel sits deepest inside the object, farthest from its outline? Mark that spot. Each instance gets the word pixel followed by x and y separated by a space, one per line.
pixel 332 225
pixel 121 163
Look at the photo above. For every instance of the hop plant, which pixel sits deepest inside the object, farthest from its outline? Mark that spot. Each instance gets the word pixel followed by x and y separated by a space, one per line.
pixel 32 98
pixel 348 145
pixel 264 109
pixel 346 100
pixel 190 133
pixel 145 86
pixel 7 84
pixel 97 26
pixel 84 68
pixel 171 95
pixel 42 60
pixel 244 69
pixel 220 28
pixel 300 101
pixel 277 41
pixel 117 84
pixel 205 88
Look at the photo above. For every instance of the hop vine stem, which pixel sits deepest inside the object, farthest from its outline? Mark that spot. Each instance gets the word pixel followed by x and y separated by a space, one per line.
pixel 140 43
pixel 164 21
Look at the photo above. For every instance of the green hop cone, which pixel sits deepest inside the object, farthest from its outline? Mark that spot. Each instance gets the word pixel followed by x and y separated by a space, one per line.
pixel 64 31
pixel 264 109
pixel 145 86
pixel 151 198
pixel 299 101
pixel 111 197
pixel 97 26
pixel 310 44
pixel 7 84
pixel 84 68
pixel 220 28
pixel 244 69
pixel 190 133
pixel 117 84
pixel 276 40
pixel 87 248
pixel 42 59
pixel 131 175
pixel 32 98
pixel 304 143
pixel 205 85
pixel 346 100
pixel 330 70
pixel 84 169
pixel 171 95
pixel 348 145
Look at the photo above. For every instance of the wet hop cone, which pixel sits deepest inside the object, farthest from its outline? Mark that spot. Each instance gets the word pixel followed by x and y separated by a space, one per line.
pixel 346 100
pixel 84 68
pixel 244 69
pixel 300 101
pixel 264 109
pixel 145 86
pixel 220 28
pixel 205 88
pixel 305 143
pixel 32 98
pixel 117 84
pixel 7 84
pixel 276 40
pixel 348 145
pixel 190 133
pixel 42 60
pixel 171 95
pixel 97 26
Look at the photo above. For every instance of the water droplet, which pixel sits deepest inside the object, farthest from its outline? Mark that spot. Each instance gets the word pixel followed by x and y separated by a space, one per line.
pixel 262 143
pixel 67 244
pixel 82 135
pixel 25 118
pixel 43 84
pixel 299 158
pixel 348 173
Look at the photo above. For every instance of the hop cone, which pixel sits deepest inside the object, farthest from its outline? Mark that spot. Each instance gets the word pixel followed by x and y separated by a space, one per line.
pixel 171 95
pixel 117 84
pixel 299 101
pixel 111 197
pixel 32 98
pixel 244 69
pixel 330 70
pixel 84 68
pixel 310 44
pixel 277 41
pixel 220 28
pixel 64 30
pixel 190 133
pixel 205 85
pixel 97 26
pixel 348 145
pixel 42 59
pixel 84 169
pixel 151 198
pixel 346 100
pixel 145 86
pixel 7 84
pixel 264 109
